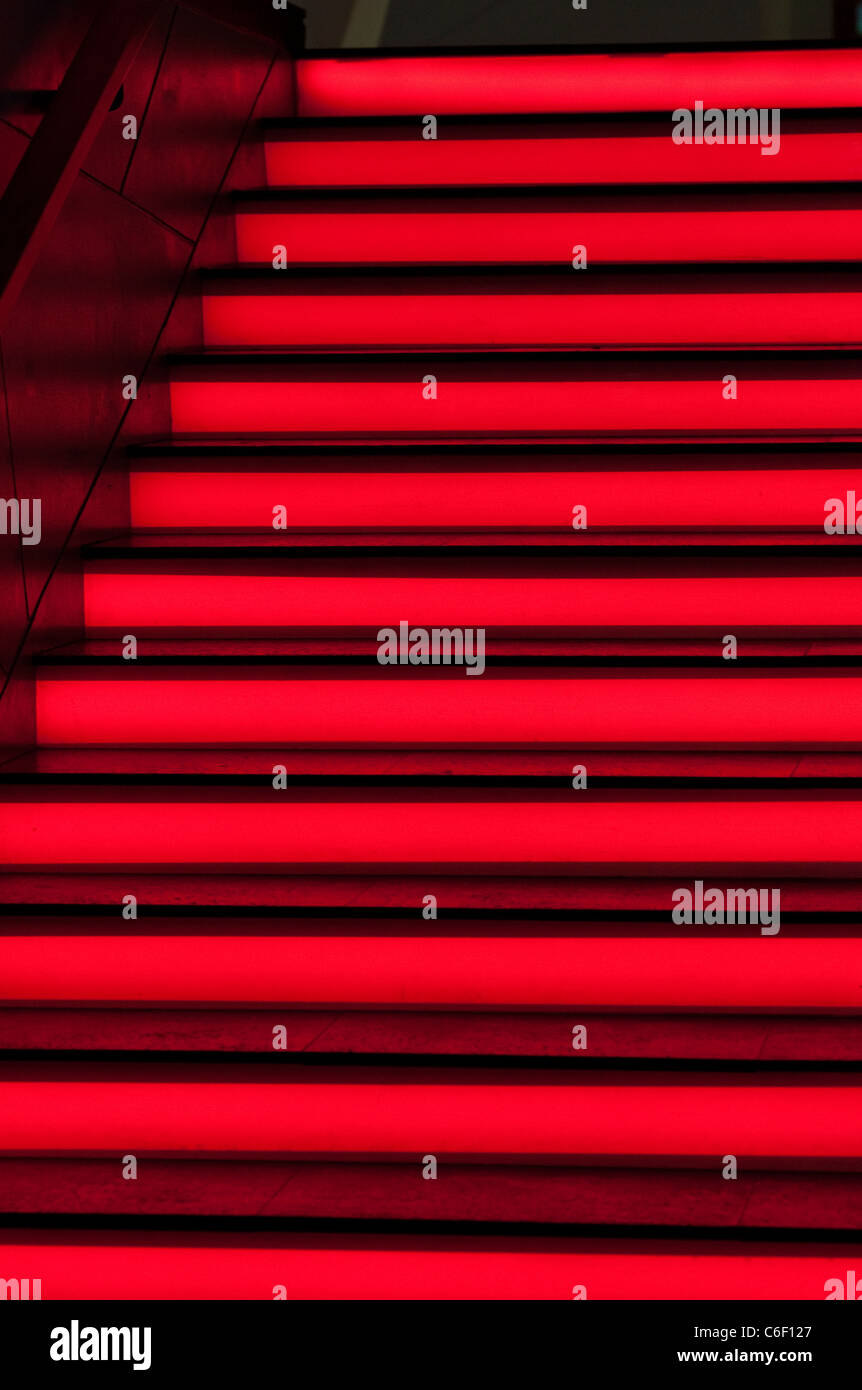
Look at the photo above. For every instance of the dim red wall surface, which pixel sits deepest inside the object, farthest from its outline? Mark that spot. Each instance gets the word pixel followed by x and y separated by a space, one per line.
pixel 95 306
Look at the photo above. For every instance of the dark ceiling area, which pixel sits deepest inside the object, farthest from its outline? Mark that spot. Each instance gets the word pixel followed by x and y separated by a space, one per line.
pixel 415 23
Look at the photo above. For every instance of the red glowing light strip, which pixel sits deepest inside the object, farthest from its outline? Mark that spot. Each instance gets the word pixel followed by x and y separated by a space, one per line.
pixel 509 235
pixel 538 408
pixel 667 711
pixel 132 602
pixel 629 833
pixel 690 499
pixel 827 157
pixel 397 1117
pixel 557 82
pixel 532 320
pixel 162 1266
pixel 426 971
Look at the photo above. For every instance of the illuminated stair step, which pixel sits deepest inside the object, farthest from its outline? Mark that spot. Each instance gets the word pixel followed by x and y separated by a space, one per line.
pixel 331 708
pixel 427 970
pixel 542 310
pixel 515 226
pixel 724 499
pixel 381 85
pixel 366 1112
pixel 439 395
pixel 169 1265
pixel 481 153
pixel 375 596
pixel 797 833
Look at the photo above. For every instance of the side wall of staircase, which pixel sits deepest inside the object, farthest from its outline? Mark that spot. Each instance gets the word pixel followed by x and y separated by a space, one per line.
pixel 106 282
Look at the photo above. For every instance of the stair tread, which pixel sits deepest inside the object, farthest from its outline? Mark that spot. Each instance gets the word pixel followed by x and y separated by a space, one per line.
pixel 560 652
pixel 540 149
pixel 483 544
pixel 474 1193
pixel 541 197
pixel 269 896
pixel 606 310
pixel 519 279
pixel 825 359
pixel 246 776
pixel 415 768
pixel 500 126
pixel 713 1038
pixel 474 454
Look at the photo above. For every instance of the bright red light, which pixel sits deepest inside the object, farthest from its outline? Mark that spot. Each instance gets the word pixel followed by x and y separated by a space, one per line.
pixel 678 711
pixel 386 1114
pixel 668 973
pixel 499 320
pixel 165 1266
pixel 694 498
pixel 557 82
pixel 506 233
pixel 347 406
pixel 572 835
pixel 126 601
pixel 804 157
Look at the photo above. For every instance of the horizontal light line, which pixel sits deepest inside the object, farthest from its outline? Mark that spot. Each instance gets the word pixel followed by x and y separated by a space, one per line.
pixel 115 599
pixel 404 1118
pixel 515 236
pixel 426 971
pixel 788 834
pixel 691 711
pixel 804 157
pixel 533 320
pixel 756 498
pixel 162 1266
pixel 393 406
pixel 523 83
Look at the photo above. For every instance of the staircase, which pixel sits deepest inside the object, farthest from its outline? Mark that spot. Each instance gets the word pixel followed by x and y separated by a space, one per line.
pixel 323 978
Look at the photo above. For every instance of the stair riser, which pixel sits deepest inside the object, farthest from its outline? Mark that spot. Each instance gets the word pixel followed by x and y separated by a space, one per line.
pixel 533 321
pixel 732 500
pixel 810 1125
pixel 425 972
pixel 515 83
pixel 117 601
pixel 684 711
pixel 625 160
pixel 386 405
pixel 513 233
pixel 800 837
pixel 164 1267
